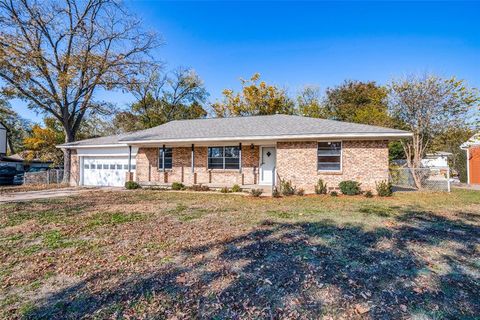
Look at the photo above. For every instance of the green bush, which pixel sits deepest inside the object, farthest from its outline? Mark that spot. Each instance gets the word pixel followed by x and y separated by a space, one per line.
pixel 384 188
pixel 256 192
pixel 199 187
pixel 276 193
pixel 321 187
pixel 369 194
pixel 334 193
pixel 132 185
pixel 225 190
pixel 350 187
pixel 287 188
pixel 300 192
pixel 178 186
pixel 236 188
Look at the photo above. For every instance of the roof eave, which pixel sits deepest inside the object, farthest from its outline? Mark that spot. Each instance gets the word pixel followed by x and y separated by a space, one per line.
pixel 110 145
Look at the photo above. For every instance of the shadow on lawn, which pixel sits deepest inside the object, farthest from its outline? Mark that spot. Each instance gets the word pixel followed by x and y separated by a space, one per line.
pixel 301 270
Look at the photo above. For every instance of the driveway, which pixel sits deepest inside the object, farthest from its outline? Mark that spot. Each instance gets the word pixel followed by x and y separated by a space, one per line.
pixel 47 194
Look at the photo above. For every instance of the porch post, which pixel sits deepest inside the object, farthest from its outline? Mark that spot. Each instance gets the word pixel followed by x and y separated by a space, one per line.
pixel 129 159
pixel 163 158
pixel 240 157
pixel 193 158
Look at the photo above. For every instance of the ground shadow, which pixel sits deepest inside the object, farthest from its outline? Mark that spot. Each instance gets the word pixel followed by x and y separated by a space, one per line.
pixel 300 271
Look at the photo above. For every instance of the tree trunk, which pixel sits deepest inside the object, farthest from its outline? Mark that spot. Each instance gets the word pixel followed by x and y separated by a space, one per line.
pixel 67 160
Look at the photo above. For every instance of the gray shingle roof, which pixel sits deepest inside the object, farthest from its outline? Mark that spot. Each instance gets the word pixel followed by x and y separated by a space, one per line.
pixel 254 127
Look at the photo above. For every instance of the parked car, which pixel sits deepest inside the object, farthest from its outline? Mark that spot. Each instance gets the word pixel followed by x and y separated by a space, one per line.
pixel 7 174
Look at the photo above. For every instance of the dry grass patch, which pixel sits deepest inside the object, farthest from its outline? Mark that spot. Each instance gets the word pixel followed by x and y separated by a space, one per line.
pixel 146 254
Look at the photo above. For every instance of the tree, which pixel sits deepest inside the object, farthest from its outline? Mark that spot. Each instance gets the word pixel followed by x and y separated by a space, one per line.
pixel 427 105
pixel 42 142
pixel 359 102
pixel 255 98
pixel 14 124
pixel 56 55
pixel 177 95
pixel 309 103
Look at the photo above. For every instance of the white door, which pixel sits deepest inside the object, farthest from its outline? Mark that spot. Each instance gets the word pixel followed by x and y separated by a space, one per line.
pixel 102 171
pixel 267 165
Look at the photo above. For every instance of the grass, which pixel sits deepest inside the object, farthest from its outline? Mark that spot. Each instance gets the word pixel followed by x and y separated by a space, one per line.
pixel 154 254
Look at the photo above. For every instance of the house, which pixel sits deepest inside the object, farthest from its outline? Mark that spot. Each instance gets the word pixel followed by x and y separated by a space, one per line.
pixel 249 151
pixel 472 147
pixel 437 159
pixel 19 162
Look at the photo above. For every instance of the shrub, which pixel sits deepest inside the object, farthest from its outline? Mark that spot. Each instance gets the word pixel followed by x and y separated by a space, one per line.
pixel 178 186
pixel 300 192
pixel 256 192
pixel 334 193
pixel 199 187
pixel 286 188
pixel 350 187
pixel 132 185
pixel 236 188
pixel 276 193
pixel 369 194
pixel 384 188
pixel 321 187
pixel 225 190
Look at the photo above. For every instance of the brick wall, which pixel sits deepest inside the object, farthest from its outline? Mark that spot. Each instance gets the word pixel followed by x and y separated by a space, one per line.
pixel 147 167
pixel 74 168
pixel 362 161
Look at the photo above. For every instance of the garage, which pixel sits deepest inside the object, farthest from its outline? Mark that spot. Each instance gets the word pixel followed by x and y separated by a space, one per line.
pixel 103 171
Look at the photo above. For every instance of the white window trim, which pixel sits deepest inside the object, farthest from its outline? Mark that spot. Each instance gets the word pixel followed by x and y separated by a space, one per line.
pixel 341 157
pixel 223 158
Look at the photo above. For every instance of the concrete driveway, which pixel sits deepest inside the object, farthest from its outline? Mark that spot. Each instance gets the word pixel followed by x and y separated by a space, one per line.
pixel 47 194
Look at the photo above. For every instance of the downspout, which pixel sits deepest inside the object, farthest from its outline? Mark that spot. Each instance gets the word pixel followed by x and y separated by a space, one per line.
pixel 163 158
pixel 240 156
pixel 129 160
pixel 193 158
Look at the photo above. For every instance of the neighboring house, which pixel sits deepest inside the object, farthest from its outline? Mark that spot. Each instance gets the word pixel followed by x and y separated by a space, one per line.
pixel 472 147
pixel 436 160
pixel 249 151
pixel 20 164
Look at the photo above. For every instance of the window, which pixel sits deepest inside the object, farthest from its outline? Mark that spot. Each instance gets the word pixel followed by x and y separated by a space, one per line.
pixel 112 167
pixel 125 167
pixel 329 156
pixel 105 166
pixel 165 160
pixel 86 166
pixel 223 158
pixel 92 166
pixel 133 167
pixel 119 166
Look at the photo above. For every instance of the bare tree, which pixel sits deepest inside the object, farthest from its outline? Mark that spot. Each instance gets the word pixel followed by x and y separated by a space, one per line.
pixel 56 54
pixel 426 105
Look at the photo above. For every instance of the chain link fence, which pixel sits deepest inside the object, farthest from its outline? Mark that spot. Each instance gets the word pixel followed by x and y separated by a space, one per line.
pixel 435 179
pixel 53 176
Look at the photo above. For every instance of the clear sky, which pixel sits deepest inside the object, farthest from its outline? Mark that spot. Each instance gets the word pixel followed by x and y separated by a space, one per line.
pixel 293 44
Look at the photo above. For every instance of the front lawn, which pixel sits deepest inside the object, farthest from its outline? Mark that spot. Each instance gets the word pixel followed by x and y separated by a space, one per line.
pixel 197 255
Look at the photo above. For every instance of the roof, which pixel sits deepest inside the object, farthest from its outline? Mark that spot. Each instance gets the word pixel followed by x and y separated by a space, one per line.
pixel 100 141
pixel 473 141
pixel 248 128
pixel 17 157
pixel 439 154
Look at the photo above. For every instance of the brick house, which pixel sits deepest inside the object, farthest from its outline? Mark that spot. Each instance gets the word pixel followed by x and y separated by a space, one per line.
pixel 250 151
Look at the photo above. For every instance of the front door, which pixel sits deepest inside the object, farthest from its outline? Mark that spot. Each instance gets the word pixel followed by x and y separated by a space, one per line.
pixel 267 165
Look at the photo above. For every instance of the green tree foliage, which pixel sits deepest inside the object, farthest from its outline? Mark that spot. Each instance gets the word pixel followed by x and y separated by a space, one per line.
pixel 359 102
pixel 255 98
pixel 178 95
pixel 309 103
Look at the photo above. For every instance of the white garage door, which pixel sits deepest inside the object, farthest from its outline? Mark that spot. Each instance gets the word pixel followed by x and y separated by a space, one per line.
pixel 103 171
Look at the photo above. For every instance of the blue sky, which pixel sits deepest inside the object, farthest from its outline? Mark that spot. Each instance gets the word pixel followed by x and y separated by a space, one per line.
pixel 293 44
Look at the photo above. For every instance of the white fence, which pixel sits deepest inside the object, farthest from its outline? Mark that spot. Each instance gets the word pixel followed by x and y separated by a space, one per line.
pixel 436 179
